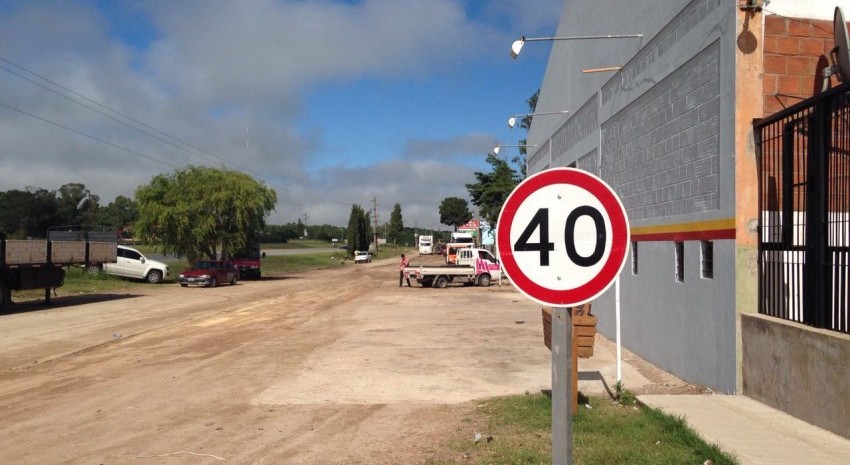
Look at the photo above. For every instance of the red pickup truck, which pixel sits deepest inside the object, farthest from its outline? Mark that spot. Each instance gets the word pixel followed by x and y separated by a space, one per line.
pixel 249 263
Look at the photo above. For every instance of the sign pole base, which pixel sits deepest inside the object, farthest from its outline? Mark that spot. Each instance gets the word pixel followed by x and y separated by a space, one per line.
pixel 562 386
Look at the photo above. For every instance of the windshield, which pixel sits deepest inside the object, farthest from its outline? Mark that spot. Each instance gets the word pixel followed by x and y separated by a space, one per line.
pixel 203 265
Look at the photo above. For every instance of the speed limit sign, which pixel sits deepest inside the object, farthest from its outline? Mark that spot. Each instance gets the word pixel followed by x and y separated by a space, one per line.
pixel 562 237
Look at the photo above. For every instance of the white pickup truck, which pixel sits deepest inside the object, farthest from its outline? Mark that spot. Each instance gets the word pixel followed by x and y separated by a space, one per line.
pixel 130 263
pixel 474 266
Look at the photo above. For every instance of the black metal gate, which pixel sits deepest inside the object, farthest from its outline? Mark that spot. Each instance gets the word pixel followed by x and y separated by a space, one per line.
pixel 803 155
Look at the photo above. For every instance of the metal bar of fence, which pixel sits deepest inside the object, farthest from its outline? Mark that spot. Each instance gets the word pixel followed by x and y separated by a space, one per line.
pixel 804 229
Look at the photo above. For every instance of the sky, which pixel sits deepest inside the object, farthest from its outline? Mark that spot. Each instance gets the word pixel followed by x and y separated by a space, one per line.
pixel 330 103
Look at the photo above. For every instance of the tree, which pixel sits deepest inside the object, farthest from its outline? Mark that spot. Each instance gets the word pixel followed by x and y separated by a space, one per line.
pixel 359 232
pixel 27 213
pixel 521 159
pixel 454 211
pixel 281 234
pixel 194 211
pixel 493 188
pixel 396 226
pixel 77 205
pixel 120 215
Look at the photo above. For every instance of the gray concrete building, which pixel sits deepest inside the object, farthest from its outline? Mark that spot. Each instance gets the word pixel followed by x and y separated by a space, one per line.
pixel 670 129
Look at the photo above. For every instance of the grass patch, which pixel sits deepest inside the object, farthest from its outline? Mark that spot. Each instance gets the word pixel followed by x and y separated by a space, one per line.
pixel 276 265
pixel 77 281
pixel 516 430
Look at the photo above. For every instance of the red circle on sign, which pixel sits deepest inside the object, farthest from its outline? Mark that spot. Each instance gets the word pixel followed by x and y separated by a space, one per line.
pixel 619 237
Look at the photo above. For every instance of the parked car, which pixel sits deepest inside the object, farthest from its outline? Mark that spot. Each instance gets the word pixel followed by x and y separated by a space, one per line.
pixel 130 263
pixel 209 273
pixel 362 257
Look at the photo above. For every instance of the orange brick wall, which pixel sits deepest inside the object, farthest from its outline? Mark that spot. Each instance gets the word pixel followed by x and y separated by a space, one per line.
pixel 795 53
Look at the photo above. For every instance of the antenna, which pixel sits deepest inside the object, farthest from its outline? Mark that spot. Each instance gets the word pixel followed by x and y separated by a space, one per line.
pixel 840 54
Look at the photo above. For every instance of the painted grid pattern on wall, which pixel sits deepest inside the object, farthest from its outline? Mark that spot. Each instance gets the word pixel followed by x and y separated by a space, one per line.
pixel 584 122
pixel 675 31
pixel 589 162
pixel 539 160
pixel 661 152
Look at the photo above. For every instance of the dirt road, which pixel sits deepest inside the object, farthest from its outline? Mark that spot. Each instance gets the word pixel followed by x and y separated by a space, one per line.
pixel 333 366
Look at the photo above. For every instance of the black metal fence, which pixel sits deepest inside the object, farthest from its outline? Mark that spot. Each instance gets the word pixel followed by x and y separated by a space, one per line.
pixel 803 157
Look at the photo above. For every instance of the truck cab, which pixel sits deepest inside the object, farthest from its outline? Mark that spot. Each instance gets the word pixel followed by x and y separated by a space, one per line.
pixel 426 245
pixel 453 249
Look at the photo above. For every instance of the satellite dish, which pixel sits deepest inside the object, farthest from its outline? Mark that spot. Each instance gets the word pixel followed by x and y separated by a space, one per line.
pixel 841 51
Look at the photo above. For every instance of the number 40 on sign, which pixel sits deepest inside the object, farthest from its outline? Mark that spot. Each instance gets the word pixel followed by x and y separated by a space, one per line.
pixel 562 237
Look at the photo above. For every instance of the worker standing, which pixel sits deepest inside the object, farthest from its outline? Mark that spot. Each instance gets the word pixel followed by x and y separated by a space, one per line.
pixel 404 263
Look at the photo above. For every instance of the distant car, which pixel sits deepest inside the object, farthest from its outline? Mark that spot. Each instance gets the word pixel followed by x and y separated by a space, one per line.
pixel 209 273
pixel 362 257
pixel 130 263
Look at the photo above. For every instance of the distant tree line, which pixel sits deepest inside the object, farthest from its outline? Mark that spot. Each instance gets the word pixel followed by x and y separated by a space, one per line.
pixel 31 212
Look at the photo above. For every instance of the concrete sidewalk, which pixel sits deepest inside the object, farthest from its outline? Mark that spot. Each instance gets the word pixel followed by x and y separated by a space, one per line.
pixel 755 433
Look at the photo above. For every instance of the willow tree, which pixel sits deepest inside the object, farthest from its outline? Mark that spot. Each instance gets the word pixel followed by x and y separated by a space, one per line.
pixel 201 211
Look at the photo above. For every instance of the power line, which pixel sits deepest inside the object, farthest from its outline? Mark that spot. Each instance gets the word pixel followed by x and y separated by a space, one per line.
pixel 117 120
pixel 145 129
pixel 67 128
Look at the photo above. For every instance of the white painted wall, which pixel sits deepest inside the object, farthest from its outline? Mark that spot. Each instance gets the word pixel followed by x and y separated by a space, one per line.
pixel 815 9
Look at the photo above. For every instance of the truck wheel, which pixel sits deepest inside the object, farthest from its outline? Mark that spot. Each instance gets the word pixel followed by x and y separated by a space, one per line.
pixel 484 280
pixel 154 276
pixel 93 270
pixel 441 282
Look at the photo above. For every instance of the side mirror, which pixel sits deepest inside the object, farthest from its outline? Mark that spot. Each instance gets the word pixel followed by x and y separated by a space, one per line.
pixel 142 259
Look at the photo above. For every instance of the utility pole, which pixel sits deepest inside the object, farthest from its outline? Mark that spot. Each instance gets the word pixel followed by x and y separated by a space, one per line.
pixel 305 224
pixel 415 233
pixel 375 220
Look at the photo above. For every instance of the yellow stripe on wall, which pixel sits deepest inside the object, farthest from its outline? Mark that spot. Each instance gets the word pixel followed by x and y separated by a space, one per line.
pixel 708 225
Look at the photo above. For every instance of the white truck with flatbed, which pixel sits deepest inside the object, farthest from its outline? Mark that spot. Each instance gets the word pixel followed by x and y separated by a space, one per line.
pixel 474 266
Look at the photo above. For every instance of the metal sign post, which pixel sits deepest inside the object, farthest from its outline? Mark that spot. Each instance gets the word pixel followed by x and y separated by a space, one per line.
pixel 562 386
pixel 563 237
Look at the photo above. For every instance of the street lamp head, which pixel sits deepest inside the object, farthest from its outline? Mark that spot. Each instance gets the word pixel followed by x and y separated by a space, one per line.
pixel 516 47
pixel 512 122
pixel 496 150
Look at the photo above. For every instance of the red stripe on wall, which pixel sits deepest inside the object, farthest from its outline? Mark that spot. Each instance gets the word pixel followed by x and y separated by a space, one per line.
pixel 686 236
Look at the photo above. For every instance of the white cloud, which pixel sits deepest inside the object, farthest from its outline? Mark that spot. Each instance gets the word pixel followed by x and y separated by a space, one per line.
pixel 233 78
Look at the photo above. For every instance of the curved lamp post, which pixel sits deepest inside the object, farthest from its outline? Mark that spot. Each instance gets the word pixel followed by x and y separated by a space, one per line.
pixel 516 47
pixel 512 119
pixel 499 146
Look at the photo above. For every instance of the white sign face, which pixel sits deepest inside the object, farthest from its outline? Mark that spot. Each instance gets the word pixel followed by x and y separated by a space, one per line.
pixel 563 237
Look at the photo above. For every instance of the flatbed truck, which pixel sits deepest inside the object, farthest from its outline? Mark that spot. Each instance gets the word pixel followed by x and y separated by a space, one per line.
pixel 39 264
pixel 474 266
